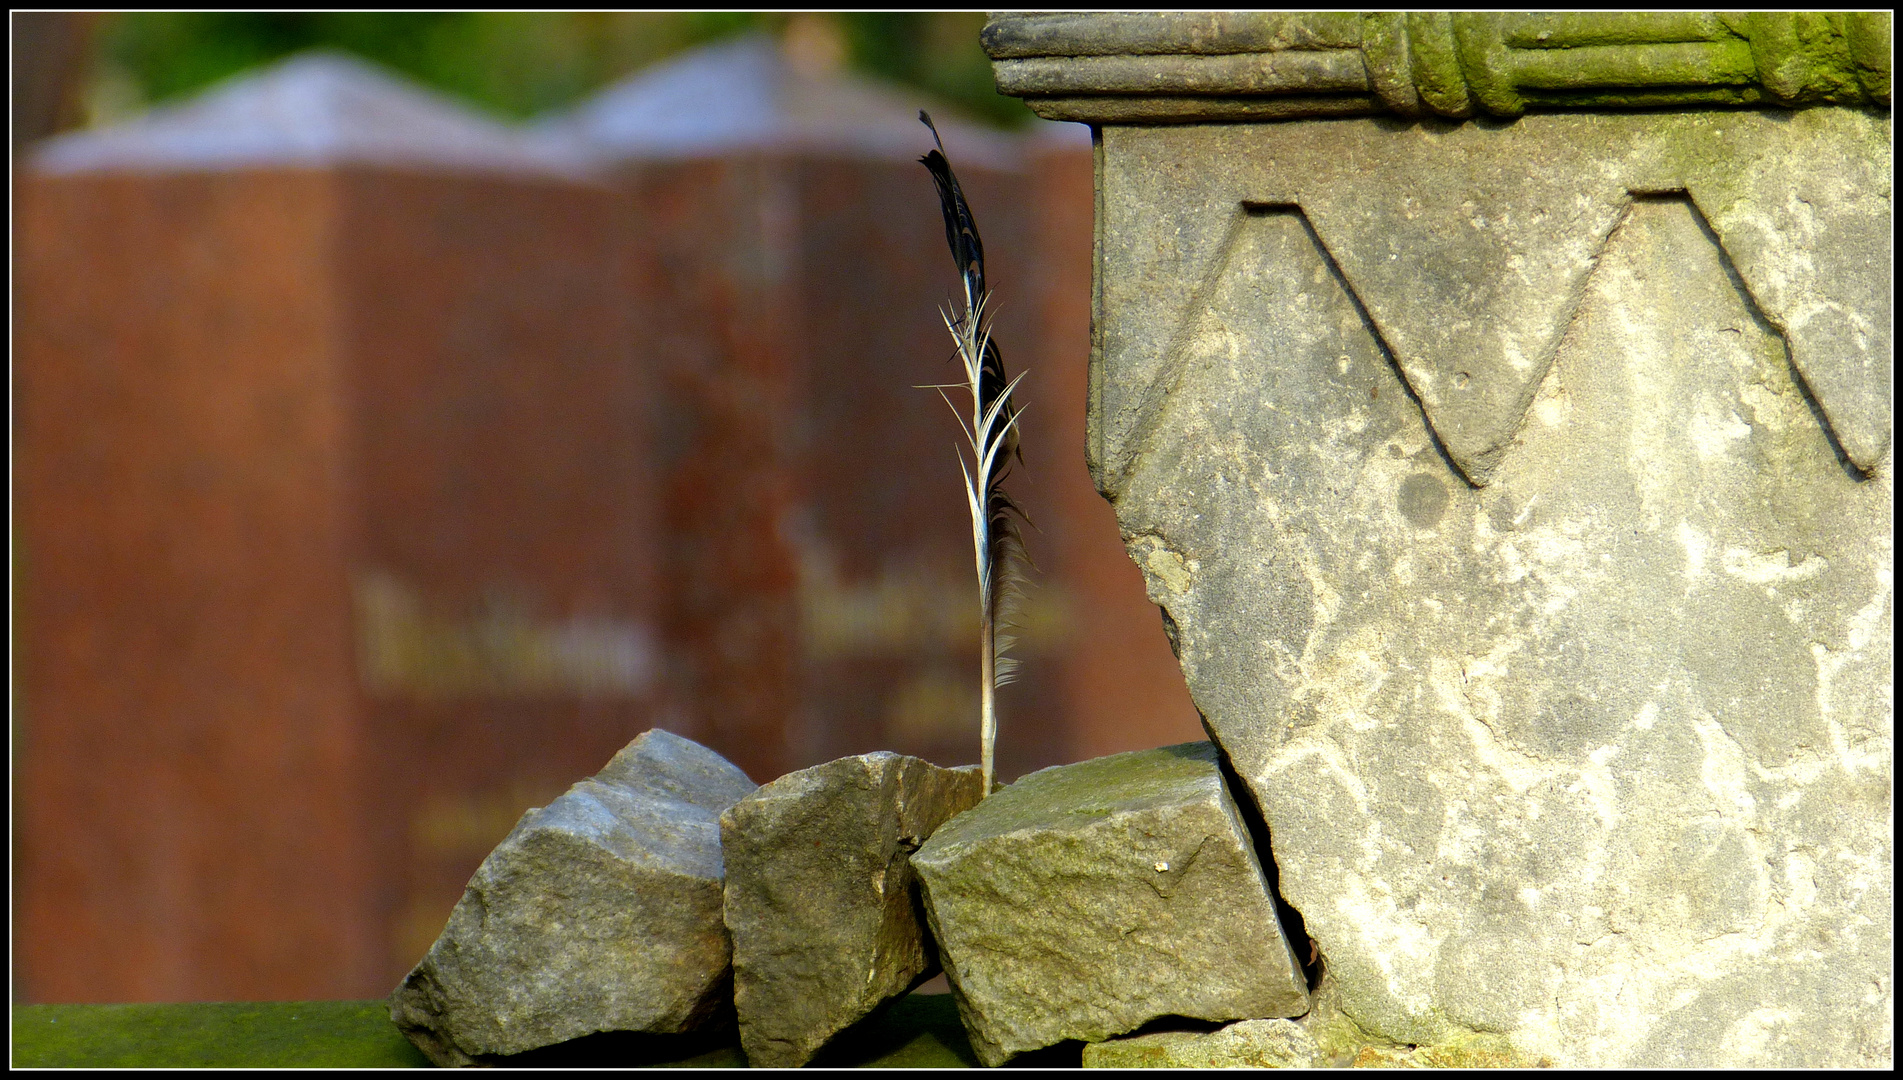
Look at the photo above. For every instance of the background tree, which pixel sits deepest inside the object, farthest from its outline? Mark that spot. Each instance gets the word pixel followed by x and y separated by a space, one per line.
pixel 518 64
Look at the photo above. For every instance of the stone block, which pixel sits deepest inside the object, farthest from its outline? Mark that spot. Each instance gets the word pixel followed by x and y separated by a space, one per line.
pixel 599 912
pixel 1246 1044
pixel 821 899
pixel 1086 900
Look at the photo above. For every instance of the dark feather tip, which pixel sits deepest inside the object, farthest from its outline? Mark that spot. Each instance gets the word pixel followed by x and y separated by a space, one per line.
pixel 961 230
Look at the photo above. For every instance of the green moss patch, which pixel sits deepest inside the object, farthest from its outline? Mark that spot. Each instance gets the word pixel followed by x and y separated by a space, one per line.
pixel 921 1031
pixel 336 1034
pixel 1087 791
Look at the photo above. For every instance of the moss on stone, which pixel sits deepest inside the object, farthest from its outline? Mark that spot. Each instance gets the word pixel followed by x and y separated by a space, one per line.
pixel 1338 1037
pixel 1479 1050
pixel 1086 791
pixel 1470 1050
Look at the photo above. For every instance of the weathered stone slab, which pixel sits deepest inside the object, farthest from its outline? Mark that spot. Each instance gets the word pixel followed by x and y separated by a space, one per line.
pixel 1085 900
pixel 1597 755
pixel 822 901
pixel 1247 1044
pixel 598 912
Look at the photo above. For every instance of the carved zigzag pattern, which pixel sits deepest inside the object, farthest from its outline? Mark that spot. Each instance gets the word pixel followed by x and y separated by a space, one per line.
pixel 1469 249
pixel 1474 469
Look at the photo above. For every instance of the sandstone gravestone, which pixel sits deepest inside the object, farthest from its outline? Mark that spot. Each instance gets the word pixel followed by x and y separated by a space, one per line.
pixel 821 900
pixel 599 912
pixel 1519 497
pixel 1086 900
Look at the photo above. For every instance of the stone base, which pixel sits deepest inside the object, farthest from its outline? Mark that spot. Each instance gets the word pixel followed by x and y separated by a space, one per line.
pixel 1086 900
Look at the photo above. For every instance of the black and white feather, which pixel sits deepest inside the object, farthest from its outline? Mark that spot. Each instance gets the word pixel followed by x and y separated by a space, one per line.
pixel 992 432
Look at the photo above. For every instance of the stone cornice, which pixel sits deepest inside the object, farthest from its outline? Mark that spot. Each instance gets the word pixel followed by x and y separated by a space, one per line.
pixel 1212 66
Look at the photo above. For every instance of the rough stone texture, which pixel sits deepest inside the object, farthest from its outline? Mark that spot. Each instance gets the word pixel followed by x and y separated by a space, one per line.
pixel 1086 900
pixel 599 912
pixel 1249 1044
pixel 821 900
pixel 1597 755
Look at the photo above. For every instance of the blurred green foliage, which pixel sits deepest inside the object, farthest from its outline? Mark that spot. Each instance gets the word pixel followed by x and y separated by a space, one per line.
pixel 518 64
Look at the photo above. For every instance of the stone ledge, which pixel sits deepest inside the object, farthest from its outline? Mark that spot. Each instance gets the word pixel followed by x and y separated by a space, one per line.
pixel 1136 67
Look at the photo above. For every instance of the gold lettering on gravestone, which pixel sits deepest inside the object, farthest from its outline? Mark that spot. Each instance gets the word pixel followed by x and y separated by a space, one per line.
pixel 911 612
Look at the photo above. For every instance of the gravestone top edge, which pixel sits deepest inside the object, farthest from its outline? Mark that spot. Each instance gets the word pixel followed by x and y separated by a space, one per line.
pixel 745 94
pixel 321 109
pixel 1177 67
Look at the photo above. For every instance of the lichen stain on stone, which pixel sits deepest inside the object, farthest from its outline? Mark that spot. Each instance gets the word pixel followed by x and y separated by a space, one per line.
pixel 1712 433
pixel 1770 568
pixel 1697 545
pixel 1480 1050
pixel 1863 630
pixel 1343 681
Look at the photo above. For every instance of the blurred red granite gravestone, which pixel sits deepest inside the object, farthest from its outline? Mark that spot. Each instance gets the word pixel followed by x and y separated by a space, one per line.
pixel 1121 687
pixel 335 541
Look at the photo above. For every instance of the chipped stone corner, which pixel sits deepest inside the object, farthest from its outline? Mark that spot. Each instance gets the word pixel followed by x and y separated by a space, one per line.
pixel 1168 574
